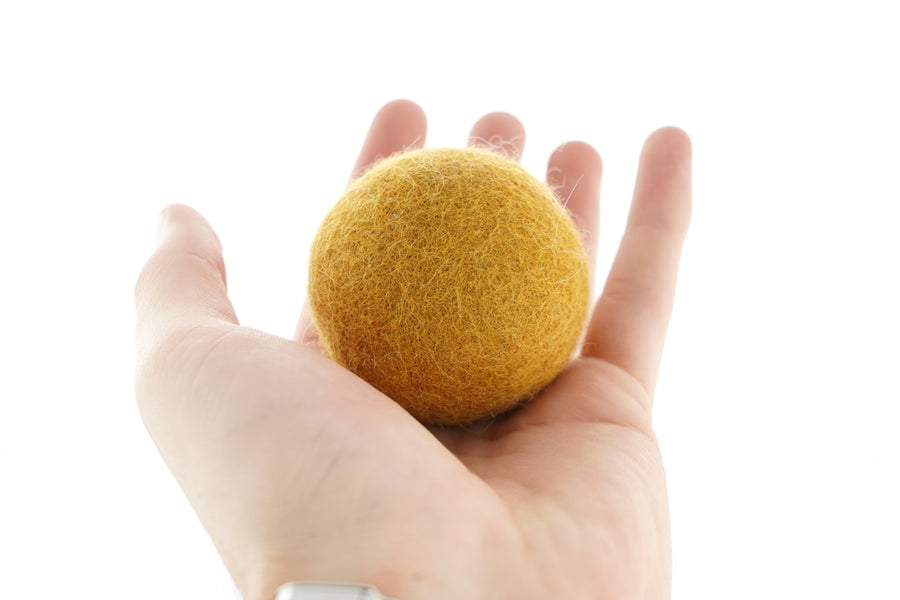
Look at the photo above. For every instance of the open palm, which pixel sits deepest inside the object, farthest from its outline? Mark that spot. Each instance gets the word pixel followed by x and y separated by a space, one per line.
pixel 300 470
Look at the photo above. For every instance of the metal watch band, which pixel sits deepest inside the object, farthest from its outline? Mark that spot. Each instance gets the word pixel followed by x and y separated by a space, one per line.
pixel 303 590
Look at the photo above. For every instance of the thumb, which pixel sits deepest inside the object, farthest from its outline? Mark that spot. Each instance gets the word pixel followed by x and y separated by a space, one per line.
pixel 183 282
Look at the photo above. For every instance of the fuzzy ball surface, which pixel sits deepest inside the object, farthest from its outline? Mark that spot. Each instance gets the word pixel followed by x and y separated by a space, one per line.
pixel 452 280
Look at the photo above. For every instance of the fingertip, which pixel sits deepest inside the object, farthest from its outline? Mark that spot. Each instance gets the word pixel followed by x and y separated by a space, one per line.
pixel 504 122
pixel 663 188
pixel 177 218
pixel 577 156
pixel 500 132
pixel 672 140
pixel 402 104
pixel 183 230
pixel 403 113
pixel 399 126
pixel 674 132
pixel 164 220
pixel 576 167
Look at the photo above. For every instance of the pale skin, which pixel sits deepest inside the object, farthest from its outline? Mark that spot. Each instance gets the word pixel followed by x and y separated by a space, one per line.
pixel 299 470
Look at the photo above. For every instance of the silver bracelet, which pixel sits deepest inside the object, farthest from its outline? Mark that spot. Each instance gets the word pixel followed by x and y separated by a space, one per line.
pixel 300 590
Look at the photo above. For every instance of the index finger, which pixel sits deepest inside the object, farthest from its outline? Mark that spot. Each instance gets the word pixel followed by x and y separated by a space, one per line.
pixel 398 126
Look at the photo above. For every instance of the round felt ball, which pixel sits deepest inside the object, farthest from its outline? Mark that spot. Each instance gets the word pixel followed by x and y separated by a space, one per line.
pixel 452 280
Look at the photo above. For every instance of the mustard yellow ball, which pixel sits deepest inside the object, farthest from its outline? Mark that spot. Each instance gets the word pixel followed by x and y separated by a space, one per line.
pixel 452 280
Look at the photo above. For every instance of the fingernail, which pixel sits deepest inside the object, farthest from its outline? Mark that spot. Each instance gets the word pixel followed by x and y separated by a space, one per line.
pixel 162 222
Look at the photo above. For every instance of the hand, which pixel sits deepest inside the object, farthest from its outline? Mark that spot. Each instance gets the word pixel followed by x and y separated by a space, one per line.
pixel 300 470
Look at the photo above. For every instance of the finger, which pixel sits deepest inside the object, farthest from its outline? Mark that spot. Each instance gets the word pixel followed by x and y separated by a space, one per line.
pixel 574 172
pixel 500 132
pixel 398 126
pixel 628 327
pixel 183 282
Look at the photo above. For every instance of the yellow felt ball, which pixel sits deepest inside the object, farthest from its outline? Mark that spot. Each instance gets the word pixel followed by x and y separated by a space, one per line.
pixel 452 280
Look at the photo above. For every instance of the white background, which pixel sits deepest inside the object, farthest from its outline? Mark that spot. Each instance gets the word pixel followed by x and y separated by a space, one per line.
pixel 777 408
